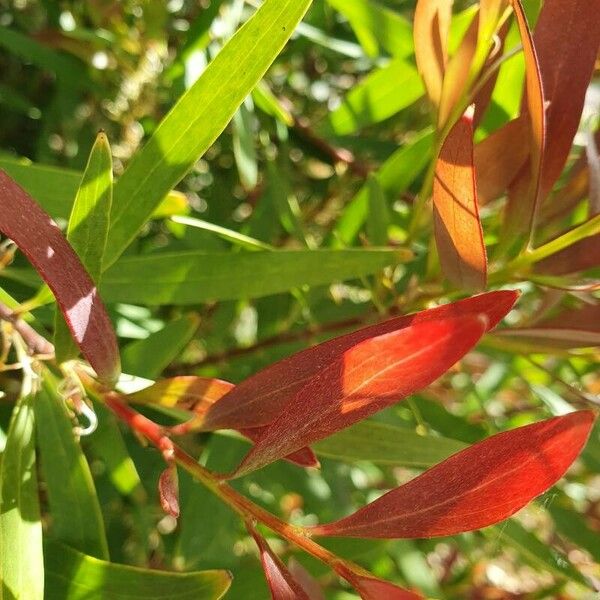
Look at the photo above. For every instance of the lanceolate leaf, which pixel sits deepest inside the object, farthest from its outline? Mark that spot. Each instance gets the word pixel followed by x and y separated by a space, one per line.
pixel 87 231
pixel 567 40
pixel 499 158
pixel 71 575
pixel 198 118
pixel 259 399
pixel 476 487
pixel 431 27
pixel 365 379
pixel 281 582
pixel 40 239
pixel 195 396
pixel 522 208
pixel 581 256
pixel 21 558
pixel 371 588
pixel 192 277
pixel 458 232
pixel 74 505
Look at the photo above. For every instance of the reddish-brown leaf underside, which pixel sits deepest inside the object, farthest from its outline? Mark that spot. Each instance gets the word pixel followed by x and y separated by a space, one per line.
pixel 365 379
pixel 371 588
pixel 196 395
pixel 40 239
pixel 458 232
pixel 567 40
pixel 581 256
pixel 431 27
pixel 258 400
pixel 168 490
pixel 521 208
pixel 309 584
pixel 479 486
pixel 282 584
pixel 499 158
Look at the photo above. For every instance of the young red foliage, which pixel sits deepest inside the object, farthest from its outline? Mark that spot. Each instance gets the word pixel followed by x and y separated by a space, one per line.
pixel 365 379
pixel 474 488
pixel 371 588
pixel 197 395
pixel 431 27
pixel 499 158
pixel 458 232
pixel 581 256
pixel 567 40
pixel 521 208
pixel 282 584
pixel 309 584
pixel 168 490
pixel 42 242
pixel 258 400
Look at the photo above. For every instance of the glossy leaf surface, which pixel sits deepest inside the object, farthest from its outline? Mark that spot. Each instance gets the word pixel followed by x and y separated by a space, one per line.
pixel 192 277
pixel 364 379
pixel 21 558
pixel 282 584
pixel 259 399
pixel 458 232
pixel 42 242
pixel 476 487
pixel 71 575
pixel 198 118
pixel 87 230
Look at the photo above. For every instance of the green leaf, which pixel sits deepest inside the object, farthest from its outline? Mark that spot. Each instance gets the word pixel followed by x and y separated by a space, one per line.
pixel 76 515
pixel 21 557
pixel 87 230
pixel 379 96
pixel 193 277
pixel 394 176
pixel 54 188
pixel 243 145
pixel 378 219
pixel 71 575
pixel 377 27
pixel 149 357
pixel 387 445
pixel 536 552
pixel 199 117
pixel 573 526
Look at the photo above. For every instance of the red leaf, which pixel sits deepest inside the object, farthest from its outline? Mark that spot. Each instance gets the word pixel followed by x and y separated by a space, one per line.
pixel 168 490
pixel 258 400
pixel 42 242
pixel 567 39
pixel 521 209
pixel 281 583
pixel 197 395
pixel 365 379
pixel 458 232
pixel 309 584
pixel 499 158
pixel 474 488
pixel 581 256
pixel 371 588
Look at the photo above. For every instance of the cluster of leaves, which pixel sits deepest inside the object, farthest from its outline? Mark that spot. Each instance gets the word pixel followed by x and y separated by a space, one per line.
pixel 493 177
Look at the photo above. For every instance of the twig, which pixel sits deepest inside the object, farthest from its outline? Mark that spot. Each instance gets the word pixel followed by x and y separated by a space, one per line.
pixel 36 343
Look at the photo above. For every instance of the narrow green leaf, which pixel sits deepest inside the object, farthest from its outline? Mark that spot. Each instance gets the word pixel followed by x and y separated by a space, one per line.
pixel 378 219
pixel 148 357
pixel 267 102
pixel 379 96
pixel 198 118
pixel 54 188
pixel 377 27
pixel 536 552
pixel 193 277
pixel 244 150
pixel 76 516
pixel 71 575
pixel 394 175
pixel 21 557
pixel 87 230
pixel 387 445
pixel 573 526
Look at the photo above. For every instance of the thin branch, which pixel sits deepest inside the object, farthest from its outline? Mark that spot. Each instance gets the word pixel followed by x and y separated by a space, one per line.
pixel 36 343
